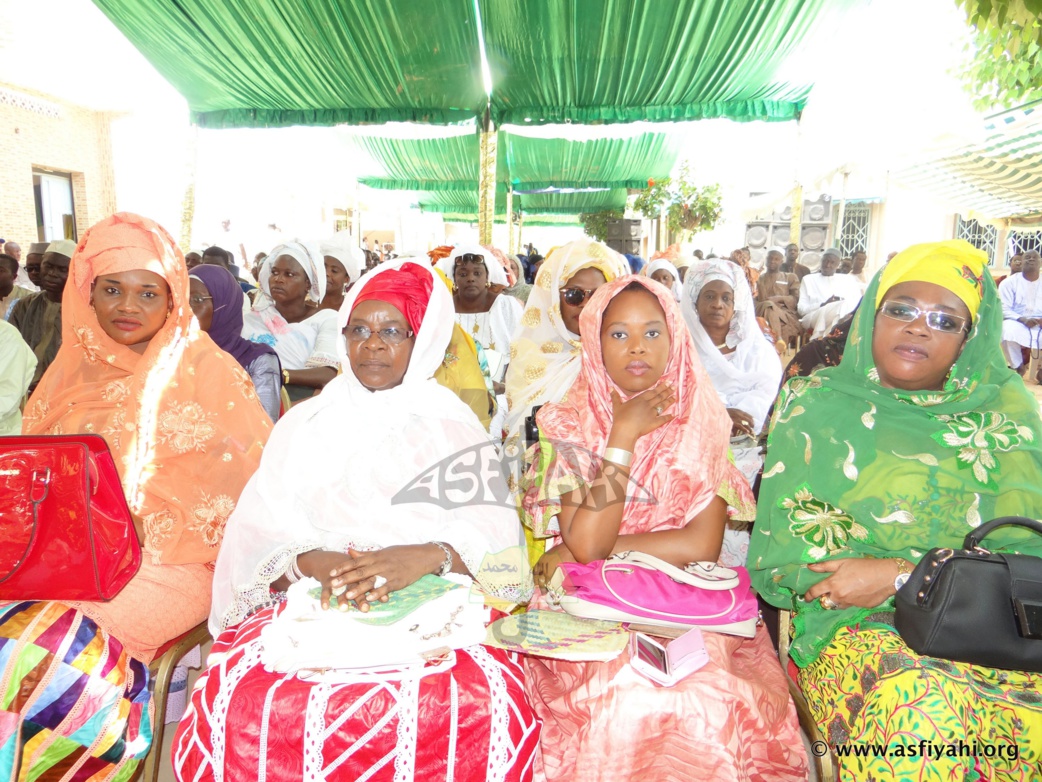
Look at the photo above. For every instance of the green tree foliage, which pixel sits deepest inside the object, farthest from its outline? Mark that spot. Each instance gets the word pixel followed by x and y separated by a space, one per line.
pixel 596 223
pixel 1005 67
pixel 688 208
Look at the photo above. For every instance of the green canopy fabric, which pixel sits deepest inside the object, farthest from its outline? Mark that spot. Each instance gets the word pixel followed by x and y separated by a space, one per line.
pixel 464 204
pixel 422 164
pixel 537 163
pixel 526 163
pixel 271 63
pixel 461 203
pixel 274 63
pixel 602 61
pixel 572 203
pixel 536 221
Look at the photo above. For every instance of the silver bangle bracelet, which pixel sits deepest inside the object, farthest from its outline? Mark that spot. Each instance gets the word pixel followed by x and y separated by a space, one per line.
pixel 618 456
pixel 446 566
pixel 293 574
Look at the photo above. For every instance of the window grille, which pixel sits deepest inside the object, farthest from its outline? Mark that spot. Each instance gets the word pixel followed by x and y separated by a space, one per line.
pixel 853 234
pixel 1022 241
pixel 983 237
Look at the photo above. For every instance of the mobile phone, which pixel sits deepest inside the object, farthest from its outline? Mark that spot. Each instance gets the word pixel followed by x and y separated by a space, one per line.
pixel 669 662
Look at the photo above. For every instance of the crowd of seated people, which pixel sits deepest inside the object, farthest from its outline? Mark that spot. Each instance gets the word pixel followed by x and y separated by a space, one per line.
pixel 265 440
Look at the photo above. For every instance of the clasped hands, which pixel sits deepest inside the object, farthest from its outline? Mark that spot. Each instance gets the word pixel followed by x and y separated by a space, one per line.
pixel 397 566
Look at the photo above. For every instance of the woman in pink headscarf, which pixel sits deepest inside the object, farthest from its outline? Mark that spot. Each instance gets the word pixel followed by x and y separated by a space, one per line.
pixel 644 411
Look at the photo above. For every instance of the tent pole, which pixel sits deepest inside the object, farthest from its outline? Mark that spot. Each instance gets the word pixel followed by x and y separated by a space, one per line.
pixel 837 236
pixel 796 220
pixel 188 202
pixel 487 180
pixel 510 219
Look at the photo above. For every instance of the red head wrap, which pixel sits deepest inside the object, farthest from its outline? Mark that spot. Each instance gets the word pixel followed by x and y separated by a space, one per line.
pixel 408 289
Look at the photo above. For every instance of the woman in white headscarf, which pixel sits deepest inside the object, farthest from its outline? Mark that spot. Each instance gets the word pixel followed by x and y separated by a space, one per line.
pixel 286 316
pixel 546 348
pixel 665 273
pixel 484 312
pixel 350 495
pixel 343 265
pixel 744 367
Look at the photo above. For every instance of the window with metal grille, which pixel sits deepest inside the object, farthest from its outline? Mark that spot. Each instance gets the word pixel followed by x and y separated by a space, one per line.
pixel 983 237
pixel 1022 241
pixel 853 234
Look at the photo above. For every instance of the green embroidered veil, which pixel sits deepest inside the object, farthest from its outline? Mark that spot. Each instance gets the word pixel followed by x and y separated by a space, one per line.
pixel 854 469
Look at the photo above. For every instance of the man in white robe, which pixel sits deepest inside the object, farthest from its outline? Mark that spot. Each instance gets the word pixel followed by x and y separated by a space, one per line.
pixel 827 297
pixel 1021 295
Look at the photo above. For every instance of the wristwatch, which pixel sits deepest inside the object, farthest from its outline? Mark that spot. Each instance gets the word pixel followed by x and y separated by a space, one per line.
pixel 904 572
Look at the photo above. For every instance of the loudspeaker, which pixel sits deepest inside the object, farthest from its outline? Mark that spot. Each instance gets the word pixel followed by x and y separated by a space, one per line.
pixel 624 246
pixel 623 229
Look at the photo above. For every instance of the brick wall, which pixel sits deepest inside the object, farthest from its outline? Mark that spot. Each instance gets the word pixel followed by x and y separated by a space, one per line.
pixel 37 131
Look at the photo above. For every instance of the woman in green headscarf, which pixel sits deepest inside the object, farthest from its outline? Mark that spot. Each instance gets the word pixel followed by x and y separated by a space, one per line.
pixel 919 435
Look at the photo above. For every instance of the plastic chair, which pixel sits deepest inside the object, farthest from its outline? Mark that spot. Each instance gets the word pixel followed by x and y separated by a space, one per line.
pixel 826 766
pixel 162 670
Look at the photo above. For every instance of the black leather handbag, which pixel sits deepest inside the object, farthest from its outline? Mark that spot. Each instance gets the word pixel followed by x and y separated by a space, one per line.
pixel 976 606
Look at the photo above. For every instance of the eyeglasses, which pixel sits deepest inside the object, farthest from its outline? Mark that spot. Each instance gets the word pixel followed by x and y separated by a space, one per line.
pixel 574 297
pixel 470 258
pixel 197 301
pixel 389 335
pixel 937 320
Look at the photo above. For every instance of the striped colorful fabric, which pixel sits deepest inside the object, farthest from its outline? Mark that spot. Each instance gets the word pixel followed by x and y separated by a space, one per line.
pixel 73 704
pixel 469 721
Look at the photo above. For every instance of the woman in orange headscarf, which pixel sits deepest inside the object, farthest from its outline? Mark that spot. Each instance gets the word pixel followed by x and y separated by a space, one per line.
pixel 186 431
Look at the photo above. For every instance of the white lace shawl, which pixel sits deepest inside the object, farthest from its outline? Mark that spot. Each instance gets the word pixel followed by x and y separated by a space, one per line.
pixel 333 465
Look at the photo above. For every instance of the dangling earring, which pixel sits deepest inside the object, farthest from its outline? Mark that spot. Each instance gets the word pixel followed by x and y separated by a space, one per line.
pixel 488 284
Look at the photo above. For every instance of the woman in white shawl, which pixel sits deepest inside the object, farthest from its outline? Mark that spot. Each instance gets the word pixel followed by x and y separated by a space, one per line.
pixel 744 367
pixel 485 313
pixel 351 494
pixel 286 315
pixel 546 349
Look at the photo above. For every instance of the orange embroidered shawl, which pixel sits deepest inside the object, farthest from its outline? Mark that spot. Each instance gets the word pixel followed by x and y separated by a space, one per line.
pixel 182 419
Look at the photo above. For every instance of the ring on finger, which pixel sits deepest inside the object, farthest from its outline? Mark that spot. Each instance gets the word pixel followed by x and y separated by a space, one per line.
pixel 827 602
pixel 378 581
pixel 658 409
pixel 338 591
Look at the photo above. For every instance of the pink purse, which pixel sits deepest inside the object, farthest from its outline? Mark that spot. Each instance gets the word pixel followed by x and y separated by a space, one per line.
pixel 636 587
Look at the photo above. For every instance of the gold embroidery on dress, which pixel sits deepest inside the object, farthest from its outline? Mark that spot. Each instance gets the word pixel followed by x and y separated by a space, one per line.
pixel 90 344
pixel 534 371
pixel 186 429
pixel 210 517
pixel 158 528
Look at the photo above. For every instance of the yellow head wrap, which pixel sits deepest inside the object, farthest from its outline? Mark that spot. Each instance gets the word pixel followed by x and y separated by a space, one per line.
pixel 956 265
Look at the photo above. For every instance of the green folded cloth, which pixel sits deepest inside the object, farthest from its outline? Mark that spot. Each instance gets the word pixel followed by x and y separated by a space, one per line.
pixel 399 604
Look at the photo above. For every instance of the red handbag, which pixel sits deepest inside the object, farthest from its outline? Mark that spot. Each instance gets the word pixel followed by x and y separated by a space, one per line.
pixel 66 532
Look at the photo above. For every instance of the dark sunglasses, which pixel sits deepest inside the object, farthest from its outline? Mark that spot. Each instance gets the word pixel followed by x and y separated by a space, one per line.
pixel 574 297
